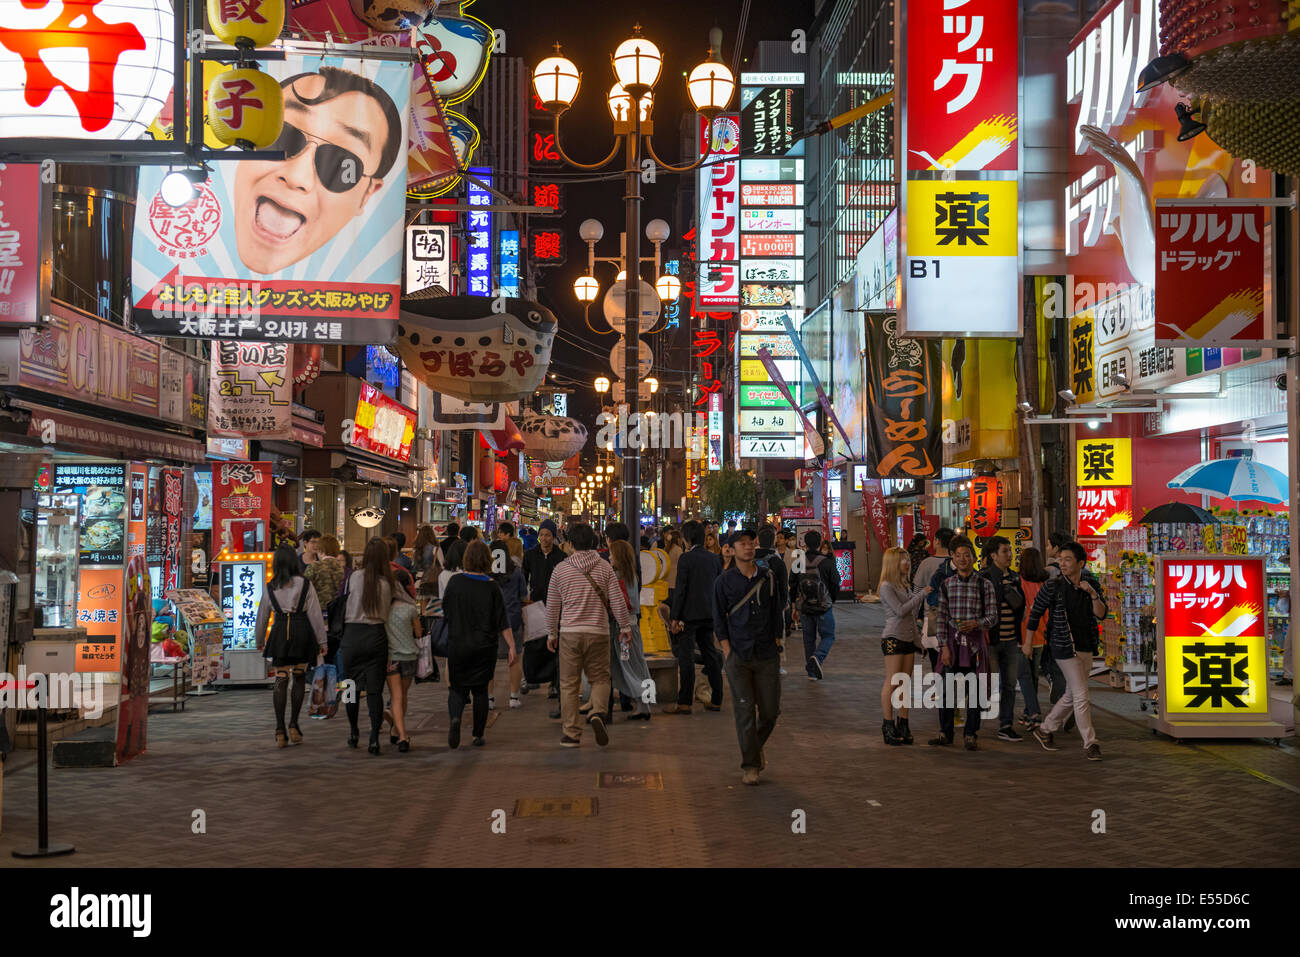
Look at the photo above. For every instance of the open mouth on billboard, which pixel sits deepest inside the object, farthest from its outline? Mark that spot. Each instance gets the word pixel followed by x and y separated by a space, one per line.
pixel 276 221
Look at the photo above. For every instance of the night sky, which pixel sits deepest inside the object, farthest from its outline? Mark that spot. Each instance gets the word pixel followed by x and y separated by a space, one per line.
pixel 590 32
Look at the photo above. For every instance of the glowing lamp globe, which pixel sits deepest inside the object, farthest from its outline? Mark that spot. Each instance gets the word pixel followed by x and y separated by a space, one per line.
pixel 637 63
pixel 84 69
pixel 246 23
pixel 620 104
pixel 556 81
pixel 586 288
pixel 710 86
pixel 246 108
pixel 668 286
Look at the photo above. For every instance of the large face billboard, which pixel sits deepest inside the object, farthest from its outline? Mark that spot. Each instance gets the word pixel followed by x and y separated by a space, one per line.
pixel 304 249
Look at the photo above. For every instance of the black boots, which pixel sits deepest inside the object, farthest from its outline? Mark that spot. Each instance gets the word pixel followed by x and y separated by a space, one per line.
pixel 890 732
pixel 904 732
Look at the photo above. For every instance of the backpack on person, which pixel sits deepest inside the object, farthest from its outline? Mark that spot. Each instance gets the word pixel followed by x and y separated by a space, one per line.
pixel 814 596
pixel 946 571
pixel 291 636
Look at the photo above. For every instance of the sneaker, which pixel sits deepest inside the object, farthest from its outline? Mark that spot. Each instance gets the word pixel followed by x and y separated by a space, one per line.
pixel 1094 752
pixel 453 734
pixel 815 668
pixel 970 743
pixel 568 742
pixel 597 723
pixel 479 742
pixel 492 703
pixel 1046 739
pixel 750 776
pixel 515 702
pixel 1009 734
pixel 780 671
pixel 942 741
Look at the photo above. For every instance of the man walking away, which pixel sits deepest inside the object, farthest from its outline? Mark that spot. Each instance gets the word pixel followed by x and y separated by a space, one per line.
pixel 748 620
pixel 578 607
pixel 1005 656
pixel 691 620
pixel 968 608
pixel 539 563
pixel 815 591
pixel 1076 603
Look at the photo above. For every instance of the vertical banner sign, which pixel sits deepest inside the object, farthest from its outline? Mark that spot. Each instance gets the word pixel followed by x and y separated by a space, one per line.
pixel 24 298
pixel 304 249
pixel 873 505
pixel 719 215
pixel 904 380
pixel 1210 288
pixel 133 711
pixel 1212 643
pixel 250 393
pixel 508 259
pixel 428 257
pixel 99 611
pixel 137 509
pixel 959 257
pixel 479 228
pixel 172 480
pixel 241 506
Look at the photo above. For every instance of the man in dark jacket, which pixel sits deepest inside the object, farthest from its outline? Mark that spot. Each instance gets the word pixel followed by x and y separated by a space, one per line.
pixel 538 564
pixel 691 620
pixel 748 618
pixel 1005 656
pixel 814 619
pixel 766 554
pixel 1077 604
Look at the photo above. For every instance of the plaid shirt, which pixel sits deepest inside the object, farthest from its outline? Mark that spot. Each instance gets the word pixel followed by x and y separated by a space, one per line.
pixel 961 599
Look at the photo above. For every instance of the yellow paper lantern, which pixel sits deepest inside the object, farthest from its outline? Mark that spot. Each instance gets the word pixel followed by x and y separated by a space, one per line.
pixel 246 23
pixel 246 108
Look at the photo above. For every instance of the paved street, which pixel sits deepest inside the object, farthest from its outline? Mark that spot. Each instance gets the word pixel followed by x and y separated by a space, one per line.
pixel 1213 805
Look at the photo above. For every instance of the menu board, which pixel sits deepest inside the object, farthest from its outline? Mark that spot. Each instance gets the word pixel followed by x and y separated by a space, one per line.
pixel 204 622
pixel 102 488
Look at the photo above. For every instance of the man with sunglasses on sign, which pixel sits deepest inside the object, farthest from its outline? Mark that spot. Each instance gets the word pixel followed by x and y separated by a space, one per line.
pixel 342 134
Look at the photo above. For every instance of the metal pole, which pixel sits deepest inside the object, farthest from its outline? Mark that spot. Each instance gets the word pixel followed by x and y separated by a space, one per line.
pixel 632 329
pixel 43 847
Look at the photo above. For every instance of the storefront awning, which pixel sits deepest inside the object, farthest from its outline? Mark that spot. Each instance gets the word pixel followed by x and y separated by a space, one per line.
pixel 81 433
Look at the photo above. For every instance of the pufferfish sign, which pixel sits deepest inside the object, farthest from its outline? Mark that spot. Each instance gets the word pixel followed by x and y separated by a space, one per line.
pixel 462 347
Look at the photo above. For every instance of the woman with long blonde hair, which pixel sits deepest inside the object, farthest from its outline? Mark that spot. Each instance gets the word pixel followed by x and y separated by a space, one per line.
pixel 899 641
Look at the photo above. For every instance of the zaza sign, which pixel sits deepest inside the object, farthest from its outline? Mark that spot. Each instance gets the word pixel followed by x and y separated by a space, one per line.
pixel 86 69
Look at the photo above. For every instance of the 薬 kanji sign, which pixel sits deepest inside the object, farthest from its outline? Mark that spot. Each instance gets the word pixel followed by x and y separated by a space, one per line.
pixel 1103 462
pixel 1213 657
pixel 962 65
pixel 1210 274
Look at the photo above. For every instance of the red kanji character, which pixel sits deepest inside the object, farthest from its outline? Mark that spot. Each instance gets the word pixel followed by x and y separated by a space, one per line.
pixel 491 365
pixel 233 11
pixel 522 360
pixel 546 245
pixel 76 27
pixel 236 100
pixel 546 194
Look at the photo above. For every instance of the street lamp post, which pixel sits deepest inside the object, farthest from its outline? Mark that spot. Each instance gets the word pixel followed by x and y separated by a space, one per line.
pixel 637 64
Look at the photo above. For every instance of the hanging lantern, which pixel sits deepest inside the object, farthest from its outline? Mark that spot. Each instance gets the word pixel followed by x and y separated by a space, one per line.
pixel 551 438
pixel 985 505
pixel 87 69
pixel 246 23
pixel 246 108
pixel 493 476
pixel 502 475
pixel 306 363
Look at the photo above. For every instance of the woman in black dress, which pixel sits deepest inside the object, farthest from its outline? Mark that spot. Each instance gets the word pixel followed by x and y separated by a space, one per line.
pixel 476 616
pixel 297 639
pixel 363 654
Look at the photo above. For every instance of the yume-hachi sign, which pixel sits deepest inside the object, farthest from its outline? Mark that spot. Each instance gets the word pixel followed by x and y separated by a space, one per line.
pixel 962 62
pixel 84 69
pixel 1214 659
pixel 1101 510
pixel 1210 274
pixel 1104 462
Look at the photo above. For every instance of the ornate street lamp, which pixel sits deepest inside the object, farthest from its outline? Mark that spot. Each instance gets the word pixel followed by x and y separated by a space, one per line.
pixel 637 66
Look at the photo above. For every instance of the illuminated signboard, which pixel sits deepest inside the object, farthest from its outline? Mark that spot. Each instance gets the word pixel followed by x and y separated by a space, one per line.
pixel 428 257
pixel 242 587
pixel 1103 462
pixel 383 426
pixel 673 310
pixel 719 214
pixel 776 244
pixel 1101 510
pixel 479 229
pixel 508 257
pixel 548 247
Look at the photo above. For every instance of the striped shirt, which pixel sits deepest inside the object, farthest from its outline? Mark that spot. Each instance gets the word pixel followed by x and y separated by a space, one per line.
pixel 573 605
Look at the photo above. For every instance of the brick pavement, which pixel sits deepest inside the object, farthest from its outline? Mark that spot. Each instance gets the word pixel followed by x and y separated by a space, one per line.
pixel 865 804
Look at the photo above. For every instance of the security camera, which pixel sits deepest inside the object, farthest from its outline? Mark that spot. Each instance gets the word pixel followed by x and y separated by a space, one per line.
pixel 1280 382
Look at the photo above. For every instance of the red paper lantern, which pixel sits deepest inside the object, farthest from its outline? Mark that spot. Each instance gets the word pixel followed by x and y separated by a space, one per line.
pixel 493 476
pixel 985 505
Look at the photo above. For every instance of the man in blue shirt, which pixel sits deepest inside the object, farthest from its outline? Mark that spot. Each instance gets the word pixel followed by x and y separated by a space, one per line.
pixel 748 620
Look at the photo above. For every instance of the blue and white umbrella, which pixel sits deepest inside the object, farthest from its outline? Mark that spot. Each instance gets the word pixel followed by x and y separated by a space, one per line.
pixel 1239 479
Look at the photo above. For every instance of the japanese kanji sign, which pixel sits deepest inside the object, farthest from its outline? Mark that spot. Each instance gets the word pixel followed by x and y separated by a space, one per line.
pixel 904 378
pixel 719 215
pixel 478 234
pixel 985 505
pixel 548 247
pixel 250 393
pixel 1102 509
pixel 241 506
pixel 1103 462
pixel 962 62
pixel 428 257
pixel 1213 634
pixel 306 249
pixel 24 298
pixel 1210 274
pixel 960 259
pixel 770 116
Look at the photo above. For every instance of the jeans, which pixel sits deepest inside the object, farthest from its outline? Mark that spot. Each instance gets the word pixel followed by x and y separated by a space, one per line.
pixel 1076 671
pixel 1029 681
pixel 459 695
pixel 697 634
pixel 947 714
pixel 755 687
pixel 813 625
pixel 1005 659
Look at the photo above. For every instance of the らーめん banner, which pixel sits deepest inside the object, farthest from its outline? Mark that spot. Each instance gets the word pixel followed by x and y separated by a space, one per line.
pixel 306 249
pixel 904 380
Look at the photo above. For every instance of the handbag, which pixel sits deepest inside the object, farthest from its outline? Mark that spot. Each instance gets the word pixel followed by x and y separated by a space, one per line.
pixel 439 636
pixel 541 665
pixel 336 615
pixel 424 660
pixel 534 620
